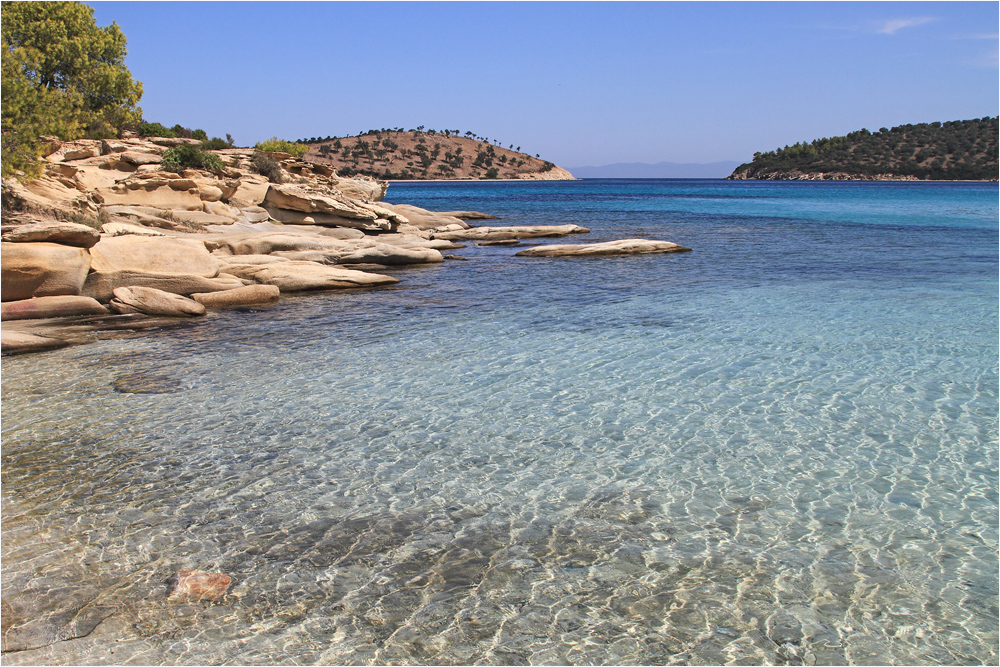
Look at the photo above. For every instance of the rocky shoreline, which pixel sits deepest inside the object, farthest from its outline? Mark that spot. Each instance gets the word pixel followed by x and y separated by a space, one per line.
pixel 107 238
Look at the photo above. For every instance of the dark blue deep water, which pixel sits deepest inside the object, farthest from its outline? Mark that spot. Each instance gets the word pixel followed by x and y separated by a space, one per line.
pixel 779 448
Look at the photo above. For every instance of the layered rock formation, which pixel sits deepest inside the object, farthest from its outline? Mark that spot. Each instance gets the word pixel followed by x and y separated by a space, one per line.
pixel 106 229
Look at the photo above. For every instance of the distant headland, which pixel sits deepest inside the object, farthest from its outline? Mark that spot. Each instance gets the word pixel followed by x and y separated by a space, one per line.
pixel 422 154
pixel 961 150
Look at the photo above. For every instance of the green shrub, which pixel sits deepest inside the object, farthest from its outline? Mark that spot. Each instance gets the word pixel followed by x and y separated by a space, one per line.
pixel 187 156
pixel 201 135
pixel 492 173
pixel 276 145
pixel 214 144
pixel 154 130
pixel 265 165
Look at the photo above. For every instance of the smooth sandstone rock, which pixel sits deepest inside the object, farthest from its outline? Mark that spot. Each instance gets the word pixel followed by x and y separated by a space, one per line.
pixel 422 218
pixel 123 228
pixel 65 233
pixel 51 306
pixel 342 233
pixel 159 254
pixel 469 215
pixel 296 276
pixel 295 197
pixel 521 232
pixel 101 286
pixel 41 269
pixel 249 295
pixel 362 188
pixel 622 247
pixel 265 244
pixel 18 342
pixel 198 585
pixel 150 301
pixel 249 259
pixel 389 255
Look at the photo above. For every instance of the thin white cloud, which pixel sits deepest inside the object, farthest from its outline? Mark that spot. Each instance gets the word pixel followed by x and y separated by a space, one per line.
pixel 892 26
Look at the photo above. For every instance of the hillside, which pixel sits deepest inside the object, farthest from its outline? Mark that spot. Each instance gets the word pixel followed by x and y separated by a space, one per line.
pixel 428 154
pixel 956 150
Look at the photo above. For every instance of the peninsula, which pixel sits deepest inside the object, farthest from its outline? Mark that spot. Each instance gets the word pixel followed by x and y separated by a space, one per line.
pixel 961 150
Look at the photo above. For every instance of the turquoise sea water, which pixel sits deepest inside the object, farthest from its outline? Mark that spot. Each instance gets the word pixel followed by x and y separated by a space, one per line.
pixel 780 448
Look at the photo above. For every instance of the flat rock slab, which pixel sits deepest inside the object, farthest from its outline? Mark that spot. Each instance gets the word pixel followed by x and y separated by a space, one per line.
pixel 150 301
pixel 17 342
pixel 64 233
pixel 503 233
pixel 41 269
pixel 611 248
pixel 249 295
pixel 51 306
pixel 295 276
pixel 153 254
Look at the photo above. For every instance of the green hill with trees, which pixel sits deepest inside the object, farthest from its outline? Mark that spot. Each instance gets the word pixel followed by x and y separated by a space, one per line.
pixel 956 150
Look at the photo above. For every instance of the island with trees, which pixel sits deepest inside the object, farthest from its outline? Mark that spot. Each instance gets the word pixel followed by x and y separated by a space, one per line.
pixel 425 154
pixel 961 150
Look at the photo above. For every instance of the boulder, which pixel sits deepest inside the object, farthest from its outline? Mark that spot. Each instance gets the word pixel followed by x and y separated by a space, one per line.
pixel 298 276
pixel 51 306
pixel 255 214
pixel 160 254
pixel 622 247
pixel 390 255
pixel 249 295
pixel 64 233
pixel 227 260
pixel 101 286
pixel 41 269
pixel 19 342
pixel 501 233
pixel 138 159
pixel 422 218
pixel 362 187
pixel 324 219
pixel 150 301
pixel 209 193
pixel 251 191
pixel 306 199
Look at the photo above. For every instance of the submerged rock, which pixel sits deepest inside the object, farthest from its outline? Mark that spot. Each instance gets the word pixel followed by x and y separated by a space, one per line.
pixel 504 233
pixel 622 247
pixel 143 383
pixel 296 276
pixel 198 585
pixel 17 342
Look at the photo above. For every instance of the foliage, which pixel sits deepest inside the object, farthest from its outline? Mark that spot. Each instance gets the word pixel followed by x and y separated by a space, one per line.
pixel 179 158
pixel 265 165
pixel 956 150
pixel 276 145
pixel 215 144
pixel 62 75
pixel 154 130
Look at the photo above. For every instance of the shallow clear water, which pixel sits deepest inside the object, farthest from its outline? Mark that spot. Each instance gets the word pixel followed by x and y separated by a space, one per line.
pixel 778 448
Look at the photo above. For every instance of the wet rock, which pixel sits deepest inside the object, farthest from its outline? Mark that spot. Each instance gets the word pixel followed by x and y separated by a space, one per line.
pixel 295 276
pixel 458 257
pixel 51 306
pixel 469 215
pixel 150 301
pixel 504 233
pixel 144 383
pixel 41 269
pixel 249 295
pixel 198 585
pixel 623 247
pixel 18 342
pixel 64 233
pixel 500 242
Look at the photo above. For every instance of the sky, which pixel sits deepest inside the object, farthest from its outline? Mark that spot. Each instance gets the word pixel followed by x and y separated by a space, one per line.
pixel 578 83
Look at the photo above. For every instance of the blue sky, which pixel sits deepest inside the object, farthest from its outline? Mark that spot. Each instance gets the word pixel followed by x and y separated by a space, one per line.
pixel 578 83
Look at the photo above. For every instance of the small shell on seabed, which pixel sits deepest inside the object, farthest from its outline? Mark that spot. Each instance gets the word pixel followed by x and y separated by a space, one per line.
pixel 198 585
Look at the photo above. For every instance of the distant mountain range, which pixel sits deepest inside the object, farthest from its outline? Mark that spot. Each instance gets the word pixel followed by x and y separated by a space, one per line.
pixel 658 170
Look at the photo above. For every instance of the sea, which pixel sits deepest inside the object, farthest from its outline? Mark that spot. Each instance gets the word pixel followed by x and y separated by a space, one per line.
pixel 778 448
